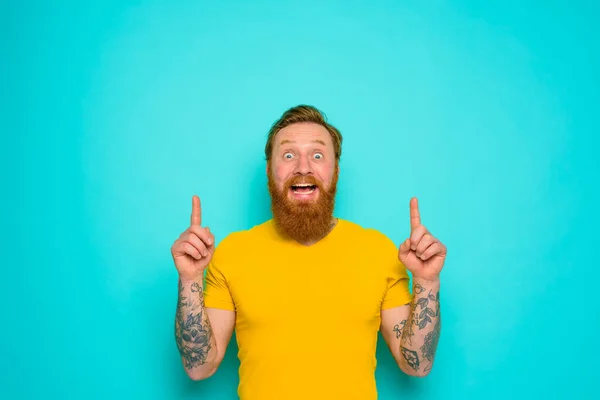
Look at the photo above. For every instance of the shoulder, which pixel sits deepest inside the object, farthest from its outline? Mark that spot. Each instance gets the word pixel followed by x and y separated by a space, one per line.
pixel 381 248
pixel 370 235
pixel 236 242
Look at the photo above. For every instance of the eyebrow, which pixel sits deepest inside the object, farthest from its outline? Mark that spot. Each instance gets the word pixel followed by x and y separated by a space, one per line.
pixel 293 141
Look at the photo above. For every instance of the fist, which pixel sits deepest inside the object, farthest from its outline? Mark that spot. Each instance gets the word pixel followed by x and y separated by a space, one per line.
pixel 194 249
pixel 422 254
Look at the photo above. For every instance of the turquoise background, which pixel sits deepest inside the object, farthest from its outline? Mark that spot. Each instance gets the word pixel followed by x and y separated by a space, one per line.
pixel 115 113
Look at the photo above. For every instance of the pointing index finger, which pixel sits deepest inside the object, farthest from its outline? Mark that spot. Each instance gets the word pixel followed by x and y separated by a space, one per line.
pixel 196 211
pixel 415 216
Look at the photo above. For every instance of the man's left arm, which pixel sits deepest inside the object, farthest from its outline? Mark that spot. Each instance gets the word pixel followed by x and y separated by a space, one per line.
pixel 412 331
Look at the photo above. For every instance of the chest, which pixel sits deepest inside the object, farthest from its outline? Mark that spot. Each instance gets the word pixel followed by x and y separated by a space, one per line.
pixel 337 289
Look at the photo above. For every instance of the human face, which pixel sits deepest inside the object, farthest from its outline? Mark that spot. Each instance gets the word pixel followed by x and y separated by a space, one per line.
pixel 303 154
pixel 302 179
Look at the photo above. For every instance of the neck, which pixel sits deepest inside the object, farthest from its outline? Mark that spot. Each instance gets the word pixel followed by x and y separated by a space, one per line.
pixel 332 225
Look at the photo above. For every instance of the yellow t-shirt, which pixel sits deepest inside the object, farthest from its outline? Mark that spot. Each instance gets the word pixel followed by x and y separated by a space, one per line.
pixel 307 318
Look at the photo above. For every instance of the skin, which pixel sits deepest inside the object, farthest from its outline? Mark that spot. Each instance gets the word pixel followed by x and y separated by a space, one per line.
pixel 410 331
pixel 303 149
pixel 202 334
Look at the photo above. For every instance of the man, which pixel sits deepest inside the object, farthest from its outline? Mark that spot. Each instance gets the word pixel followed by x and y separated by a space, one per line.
pixel 306 292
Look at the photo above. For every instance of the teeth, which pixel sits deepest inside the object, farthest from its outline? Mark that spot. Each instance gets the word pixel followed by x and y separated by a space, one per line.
pixel 303 185
pixel 309 192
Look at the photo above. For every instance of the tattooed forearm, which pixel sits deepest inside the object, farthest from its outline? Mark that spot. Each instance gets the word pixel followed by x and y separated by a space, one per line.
pixel 193 332
pixel 421 331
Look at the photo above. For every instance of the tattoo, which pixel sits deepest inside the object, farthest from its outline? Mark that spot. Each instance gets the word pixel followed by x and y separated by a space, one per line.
pixel 430 345
pixel 424 317
pixel 398 328
pixel 192 329
pixel 408 331
pixel 419 289
pixel 411 357
pixel 421 314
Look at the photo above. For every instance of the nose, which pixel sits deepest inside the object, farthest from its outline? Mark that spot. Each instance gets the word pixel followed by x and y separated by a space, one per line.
pixel 303 166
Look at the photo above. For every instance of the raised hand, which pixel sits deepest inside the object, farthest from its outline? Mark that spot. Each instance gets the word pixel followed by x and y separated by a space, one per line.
pixel 422 254
pixel 195 247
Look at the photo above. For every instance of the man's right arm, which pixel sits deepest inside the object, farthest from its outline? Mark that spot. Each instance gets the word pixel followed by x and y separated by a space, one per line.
pixel 202 334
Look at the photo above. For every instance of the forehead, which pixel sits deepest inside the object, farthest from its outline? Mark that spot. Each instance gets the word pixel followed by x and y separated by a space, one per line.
pixel 304 133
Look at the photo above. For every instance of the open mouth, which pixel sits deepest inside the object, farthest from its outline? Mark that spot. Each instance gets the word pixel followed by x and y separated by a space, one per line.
pixel 303 189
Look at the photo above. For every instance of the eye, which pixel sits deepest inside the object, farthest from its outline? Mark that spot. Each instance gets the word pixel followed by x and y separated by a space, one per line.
pixel 288 155
pixel 318 156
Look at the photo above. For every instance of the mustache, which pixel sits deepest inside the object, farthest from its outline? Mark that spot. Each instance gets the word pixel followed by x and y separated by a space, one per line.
pixel 307 180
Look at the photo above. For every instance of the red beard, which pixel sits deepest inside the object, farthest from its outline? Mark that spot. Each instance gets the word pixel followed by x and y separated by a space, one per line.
pixel 302 221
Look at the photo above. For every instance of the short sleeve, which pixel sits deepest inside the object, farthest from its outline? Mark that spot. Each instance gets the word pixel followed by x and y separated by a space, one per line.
pixel 398 281
pixel 216 289
pixel 398 291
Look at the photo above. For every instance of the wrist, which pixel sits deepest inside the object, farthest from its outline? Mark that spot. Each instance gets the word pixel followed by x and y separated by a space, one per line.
pixel 187 279
pixel 429 281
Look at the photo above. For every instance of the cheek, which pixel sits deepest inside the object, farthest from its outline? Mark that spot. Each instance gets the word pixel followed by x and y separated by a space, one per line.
pixel 326 174
pixel 280 176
